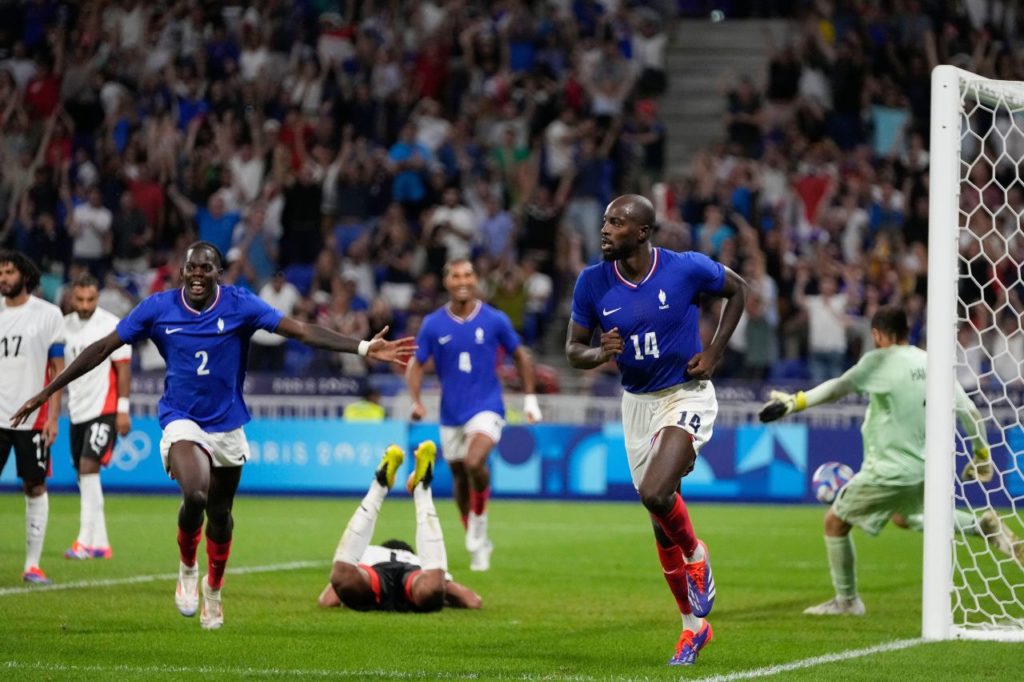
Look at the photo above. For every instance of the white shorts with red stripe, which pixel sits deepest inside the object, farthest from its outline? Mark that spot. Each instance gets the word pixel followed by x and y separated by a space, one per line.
pixel 455 439
pixel 225 449
pixel 691 406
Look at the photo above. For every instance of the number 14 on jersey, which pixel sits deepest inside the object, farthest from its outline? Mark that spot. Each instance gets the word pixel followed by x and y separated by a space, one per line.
pixel 649 347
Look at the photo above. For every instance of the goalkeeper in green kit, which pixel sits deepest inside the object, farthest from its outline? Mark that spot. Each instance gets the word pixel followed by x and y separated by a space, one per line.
pixel 890 483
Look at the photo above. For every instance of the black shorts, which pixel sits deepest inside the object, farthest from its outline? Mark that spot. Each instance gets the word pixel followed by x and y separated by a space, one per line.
pixel 31 453
pixel 94 439
pixel 391 581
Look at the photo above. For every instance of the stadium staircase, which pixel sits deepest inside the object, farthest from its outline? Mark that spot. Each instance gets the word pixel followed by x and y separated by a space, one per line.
pixel 704 59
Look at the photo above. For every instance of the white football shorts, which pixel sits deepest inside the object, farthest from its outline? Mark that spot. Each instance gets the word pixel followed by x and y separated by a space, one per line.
pixel 455 439
pixel 691 406
pixel 226 449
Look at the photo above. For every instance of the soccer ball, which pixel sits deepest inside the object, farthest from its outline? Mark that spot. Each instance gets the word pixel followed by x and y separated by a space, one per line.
pixel 828 480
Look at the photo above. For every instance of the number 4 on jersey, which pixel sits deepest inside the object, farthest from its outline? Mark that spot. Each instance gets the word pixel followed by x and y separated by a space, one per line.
pixel 650 347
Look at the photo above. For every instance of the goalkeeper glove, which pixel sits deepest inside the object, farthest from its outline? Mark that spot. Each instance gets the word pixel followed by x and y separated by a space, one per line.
pixel 980 467
pixel 531 408
pixel 781 404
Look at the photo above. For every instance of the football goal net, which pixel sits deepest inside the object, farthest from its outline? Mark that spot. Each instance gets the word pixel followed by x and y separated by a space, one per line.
pixel 974 588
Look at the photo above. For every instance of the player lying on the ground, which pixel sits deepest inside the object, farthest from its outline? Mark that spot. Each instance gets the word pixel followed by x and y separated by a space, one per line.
pixel 890 483
pixel 390 577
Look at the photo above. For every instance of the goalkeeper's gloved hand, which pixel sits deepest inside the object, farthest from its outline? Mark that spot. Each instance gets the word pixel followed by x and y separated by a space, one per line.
pixel 531 409
pixel 781 404
pixel 980 467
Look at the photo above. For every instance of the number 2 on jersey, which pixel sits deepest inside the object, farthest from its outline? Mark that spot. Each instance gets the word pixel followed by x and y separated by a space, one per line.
pixel 650 346
pixel 203 359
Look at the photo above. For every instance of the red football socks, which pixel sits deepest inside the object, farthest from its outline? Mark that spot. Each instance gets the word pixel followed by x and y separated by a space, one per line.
pixel 478 500
pixel 673 565
pixel 217 558
pixel 188 542
pixel 677 526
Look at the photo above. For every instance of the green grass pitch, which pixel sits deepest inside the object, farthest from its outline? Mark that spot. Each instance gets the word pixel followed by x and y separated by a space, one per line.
pixel 575 592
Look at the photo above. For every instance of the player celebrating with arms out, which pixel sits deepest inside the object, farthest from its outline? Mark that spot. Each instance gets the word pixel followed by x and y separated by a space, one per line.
pixel 31 347
pixel 202 330
pixel 463 337
pixel 98 407
pixel 644 300
pixel 890 483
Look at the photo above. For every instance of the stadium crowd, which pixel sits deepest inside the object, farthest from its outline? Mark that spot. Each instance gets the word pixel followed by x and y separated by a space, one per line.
pixel 338 153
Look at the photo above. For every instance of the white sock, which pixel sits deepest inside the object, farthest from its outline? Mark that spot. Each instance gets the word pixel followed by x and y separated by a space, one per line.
pixel 476 531
pixel 692 623
pixel 37 512
pixel 429 539
pixel 359 530
pixel 965 522
pixel 92 491
pixel 698 554
pixel 85 512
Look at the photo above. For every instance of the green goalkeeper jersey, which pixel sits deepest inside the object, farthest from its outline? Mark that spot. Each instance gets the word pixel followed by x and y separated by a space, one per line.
pixel 893 429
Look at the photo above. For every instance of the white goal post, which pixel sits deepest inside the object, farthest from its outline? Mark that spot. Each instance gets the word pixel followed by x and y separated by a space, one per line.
pixel 970 589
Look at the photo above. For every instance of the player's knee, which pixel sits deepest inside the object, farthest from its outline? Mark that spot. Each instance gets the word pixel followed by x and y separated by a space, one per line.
pixel 194 499
pixel 656 500
pixel 835 526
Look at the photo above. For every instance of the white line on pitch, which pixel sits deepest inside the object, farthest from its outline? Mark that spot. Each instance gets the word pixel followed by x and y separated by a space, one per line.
pixel 133 580
pixel 378 673
pixel 812 662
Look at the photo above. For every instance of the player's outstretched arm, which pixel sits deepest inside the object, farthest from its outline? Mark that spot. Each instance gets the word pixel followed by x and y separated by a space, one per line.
pixel 461 597
pixel 414 379
pixel 86 360
pixel 377 348
pixel 783 403
pixel 582 355
pixel 734 289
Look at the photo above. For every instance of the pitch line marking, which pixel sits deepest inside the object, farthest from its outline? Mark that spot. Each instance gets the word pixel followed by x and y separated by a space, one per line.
pixel 138 579
pixel 850 654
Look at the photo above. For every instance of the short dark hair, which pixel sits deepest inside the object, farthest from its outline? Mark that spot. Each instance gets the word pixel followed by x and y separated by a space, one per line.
pixel 452 263
pixel 891 320
pixel 394 543
pixel 85 280
pixel 24 265
pixel 211 247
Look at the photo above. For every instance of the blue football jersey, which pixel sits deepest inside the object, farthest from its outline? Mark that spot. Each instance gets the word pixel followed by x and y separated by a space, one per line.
pixel 206 352
pixel 657 317
pixel 465 353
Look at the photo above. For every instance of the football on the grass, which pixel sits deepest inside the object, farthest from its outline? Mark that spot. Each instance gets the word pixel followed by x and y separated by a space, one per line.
pixel 828 479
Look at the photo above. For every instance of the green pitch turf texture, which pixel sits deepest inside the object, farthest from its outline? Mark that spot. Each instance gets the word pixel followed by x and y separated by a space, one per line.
pixel 575 592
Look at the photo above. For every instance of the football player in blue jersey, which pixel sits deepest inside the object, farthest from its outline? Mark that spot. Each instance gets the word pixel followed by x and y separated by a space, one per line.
pixel 202 330
pixel 643 301
pixel 463 338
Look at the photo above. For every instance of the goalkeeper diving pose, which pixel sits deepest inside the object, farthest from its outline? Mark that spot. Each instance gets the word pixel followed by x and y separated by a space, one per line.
pixel 890 483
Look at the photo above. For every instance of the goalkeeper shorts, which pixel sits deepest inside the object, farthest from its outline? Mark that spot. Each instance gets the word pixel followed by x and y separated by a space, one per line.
pixel 869 506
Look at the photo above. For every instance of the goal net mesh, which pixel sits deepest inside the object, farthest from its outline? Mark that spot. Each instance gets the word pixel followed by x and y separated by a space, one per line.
pixel 988 575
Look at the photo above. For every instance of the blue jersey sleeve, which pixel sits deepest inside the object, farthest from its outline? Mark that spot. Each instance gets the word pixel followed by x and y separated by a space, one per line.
pixel 259 313
pixel 708 275
pixel 583 312
pixel 507 335
pixel 138 324
pixel 424 342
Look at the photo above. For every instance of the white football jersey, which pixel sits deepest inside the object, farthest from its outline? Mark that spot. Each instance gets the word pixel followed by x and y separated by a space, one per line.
pixel 95 392
pixel 376 554
pixel 27 332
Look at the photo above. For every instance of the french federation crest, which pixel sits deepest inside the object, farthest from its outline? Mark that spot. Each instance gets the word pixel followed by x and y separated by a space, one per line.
pixel 220 324
pixel 479 334
pixel 661 299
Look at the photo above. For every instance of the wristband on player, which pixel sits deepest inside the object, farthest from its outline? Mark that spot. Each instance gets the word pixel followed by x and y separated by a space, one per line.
pixel 123 405
pixel 364 348
pixel 800 401
pixel 530 404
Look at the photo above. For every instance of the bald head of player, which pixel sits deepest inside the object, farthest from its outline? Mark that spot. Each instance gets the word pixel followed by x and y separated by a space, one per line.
pixel 200 272
pixel 628 222
pixel 19 277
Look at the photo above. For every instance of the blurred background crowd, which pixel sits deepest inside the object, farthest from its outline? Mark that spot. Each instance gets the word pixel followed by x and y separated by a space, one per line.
pixel 339 152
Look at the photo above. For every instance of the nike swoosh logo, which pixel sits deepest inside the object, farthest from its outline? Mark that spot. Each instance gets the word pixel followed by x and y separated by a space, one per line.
pixel 609 312
pixel 171 331
pixel 444 339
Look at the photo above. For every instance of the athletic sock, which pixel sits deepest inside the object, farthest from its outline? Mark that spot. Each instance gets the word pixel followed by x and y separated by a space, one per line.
pixel 429 539
pixel 217 561
pixel 677 526
pixel 188 542
pixel 478 500
pixel 86 510
pixel 965 522
pixel 842 560
pixel 359 530
pixel 673 566
pixel 37 512
pixel 93 519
